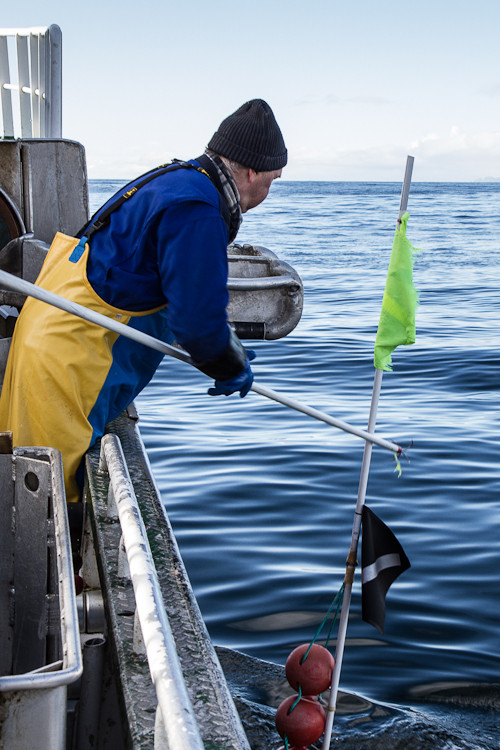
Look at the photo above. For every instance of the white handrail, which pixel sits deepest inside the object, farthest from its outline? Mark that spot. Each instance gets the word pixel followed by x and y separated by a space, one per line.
pixel 177 721
pixel 31 82
pixel 58 673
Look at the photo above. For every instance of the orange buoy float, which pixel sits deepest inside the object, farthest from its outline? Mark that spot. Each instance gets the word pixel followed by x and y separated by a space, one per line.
pixel 314 673
pixel 302 725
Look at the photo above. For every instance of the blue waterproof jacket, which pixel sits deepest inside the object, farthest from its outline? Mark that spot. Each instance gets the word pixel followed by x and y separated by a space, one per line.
pixel 158 264
pixel 166 245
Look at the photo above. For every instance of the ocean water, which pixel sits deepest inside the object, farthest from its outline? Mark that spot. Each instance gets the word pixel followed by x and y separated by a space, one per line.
pixel 262 498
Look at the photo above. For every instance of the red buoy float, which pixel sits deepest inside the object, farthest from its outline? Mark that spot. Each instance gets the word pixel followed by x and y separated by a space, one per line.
pixel 314 673
pixel 304 724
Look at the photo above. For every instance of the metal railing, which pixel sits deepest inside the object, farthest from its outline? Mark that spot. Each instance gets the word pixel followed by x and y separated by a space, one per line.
pixel 176 724
pixel 31 82
pixel 38 616
pixel 69 668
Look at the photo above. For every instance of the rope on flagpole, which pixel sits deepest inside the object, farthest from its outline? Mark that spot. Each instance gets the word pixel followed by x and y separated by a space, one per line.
pixel 363 483
pixel 25 287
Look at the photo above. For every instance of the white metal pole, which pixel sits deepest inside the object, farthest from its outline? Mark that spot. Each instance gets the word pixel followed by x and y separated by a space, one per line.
pixel 53 72
pixel 5 89
pixel 351 563
pixel 26 287
pixel 405 190
pixel 363 483
pixel 323 417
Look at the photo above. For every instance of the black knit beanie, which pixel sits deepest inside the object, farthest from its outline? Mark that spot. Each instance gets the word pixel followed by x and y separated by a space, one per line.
pixel 251 137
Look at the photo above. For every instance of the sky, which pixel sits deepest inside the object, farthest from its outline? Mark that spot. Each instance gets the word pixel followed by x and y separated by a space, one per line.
pixel 356 85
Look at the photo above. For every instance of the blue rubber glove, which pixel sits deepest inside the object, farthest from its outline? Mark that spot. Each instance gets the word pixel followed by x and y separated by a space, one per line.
pixel 242 382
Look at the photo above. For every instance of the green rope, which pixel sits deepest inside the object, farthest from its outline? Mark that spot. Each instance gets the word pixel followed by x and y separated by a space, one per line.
pixel 337 601
pixel 299 696
pixel 340 597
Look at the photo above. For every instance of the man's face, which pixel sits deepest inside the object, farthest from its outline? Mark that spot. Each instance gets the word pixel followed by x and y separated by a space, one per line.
pixel 256 188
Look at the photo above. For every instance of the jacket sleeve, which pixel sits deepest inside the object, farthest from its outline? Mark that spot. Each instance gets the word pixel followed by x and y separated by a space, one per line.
pixel 193 266
pixel 229 363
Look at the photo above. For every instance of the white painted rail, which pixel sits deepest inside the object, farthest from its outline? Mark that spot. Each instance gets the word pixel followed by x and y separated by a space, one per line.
pixel 175 719
pixel 31 82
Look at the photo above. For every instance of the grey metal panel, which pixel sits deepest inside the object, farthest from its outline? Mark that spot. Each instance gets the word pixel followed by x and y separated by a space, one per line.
pixel 32 488
pixel 47 182
pixel 54 648
pixel 6 561
pixel 33 704
pixel 55 187
pixel 53 66
pixel 23 257
pixel 11 172
pixel 34 253
pixel 33 719
pixel 4 353
pixel 70 669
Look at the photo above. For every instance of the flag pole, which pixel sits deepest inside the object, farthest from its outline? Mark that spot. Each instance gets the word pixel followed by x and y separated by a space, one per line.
pixel 26 287
pixel 363 482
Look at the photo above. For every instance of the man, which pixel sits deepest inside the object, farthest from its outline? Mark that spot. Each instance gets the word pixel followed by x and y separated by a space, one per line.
pixel 153 257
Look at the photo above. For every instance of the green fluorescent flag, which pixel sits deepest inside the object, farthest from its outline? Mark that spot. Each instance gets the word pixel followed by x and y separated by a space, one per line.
pixel 397 318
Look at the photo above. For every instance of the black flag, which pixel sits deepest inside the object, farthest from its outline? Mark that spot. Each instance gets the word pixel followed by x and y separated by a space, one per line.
pixel 382 561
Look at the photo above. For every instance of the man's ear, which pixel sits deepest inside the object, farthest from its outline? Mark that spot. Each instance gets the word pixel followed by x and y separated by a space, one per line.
pixel 252 174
